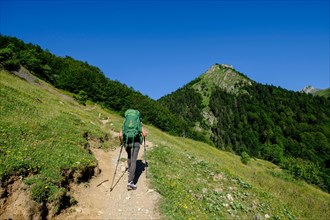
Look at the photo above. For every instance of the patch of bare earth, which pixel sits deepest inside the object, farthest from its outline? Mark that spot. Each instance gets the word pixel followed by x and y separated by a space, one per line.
pixel 96 201
pixel 15 202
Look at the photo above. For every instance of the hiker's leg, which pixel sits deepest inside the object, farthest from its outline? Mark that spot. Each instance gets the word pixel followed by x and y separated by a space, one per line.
pixel 128 150
pixel 134 153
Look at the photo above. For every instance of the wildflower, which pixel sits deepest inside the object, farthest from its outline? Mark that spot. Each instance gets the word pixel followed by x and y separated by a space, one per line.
pixel 229 197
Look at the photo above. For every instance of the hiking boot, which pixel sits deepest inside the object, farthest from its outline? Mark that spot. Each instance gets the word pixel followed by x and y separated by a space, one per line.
pixel 131 186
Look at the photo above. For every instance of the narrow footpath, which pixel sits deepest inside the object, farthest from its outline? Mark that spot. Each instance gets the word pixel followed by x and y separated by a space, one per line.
pixel 96 201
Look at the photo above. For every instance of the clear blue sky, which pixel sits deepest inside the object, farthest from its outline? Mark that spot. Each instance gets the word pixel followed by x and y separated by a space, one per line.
pixel 158 46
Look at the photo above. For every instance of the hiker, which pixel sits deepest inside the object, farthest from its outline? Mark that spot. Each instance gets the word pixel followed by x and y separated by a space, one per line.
pixel 131 135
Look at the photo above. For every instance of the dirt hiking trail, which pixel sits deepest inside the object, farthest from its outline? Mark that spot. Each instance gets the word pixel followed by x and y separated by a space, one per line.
pixel 95 201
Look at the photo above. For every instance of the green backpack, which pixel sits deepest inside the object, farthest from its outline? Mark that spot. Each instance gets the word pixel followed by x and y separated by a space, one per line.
pixel 132 127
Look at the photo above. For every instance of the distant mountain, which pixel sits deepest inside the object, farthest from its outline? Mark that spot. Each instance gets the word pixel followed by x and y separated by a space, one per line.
pixel 314 91
pixel 194 98
pixel 241 115
pixel 309 90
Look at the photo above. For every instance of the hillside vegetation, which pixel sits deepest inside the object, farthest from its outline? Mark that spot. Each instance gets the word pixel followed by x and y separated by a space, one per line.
pixel 288 128
pixel 198 181
pixel 45 136
pixel 88 82
pixel 323 92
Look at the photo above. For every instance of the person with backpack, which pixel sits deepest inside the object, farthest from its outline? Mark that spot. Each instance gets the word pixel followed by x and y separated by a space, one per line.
pixel 131 136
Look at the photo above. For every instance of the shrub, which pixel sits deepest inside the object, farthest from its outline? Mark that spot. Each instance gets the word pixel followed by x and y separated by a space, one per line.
pixel 304 169
pixel 81 97
pixel 245 157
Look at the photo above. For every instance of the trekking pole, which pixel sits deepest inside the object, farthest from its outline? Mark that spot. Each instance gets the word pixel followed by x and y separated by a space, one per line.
pixel 121 148
pixel 145 155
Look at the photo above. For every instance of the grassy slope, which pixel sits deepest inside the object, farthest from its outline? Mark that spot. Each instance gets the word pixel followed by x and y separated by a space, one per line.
pixel 41 132
pixel 324 92
pixel 201 182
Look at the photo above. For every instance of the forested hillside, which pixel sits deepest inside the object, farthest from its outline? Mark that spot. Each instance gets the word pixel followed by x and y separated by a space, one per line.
pixel 87 82
pixel 287 128
pixel 223 106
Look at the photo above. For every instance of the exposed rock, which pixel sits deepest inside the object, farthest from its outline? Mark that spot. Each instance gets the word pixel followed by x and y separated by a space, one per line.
pixel 309 90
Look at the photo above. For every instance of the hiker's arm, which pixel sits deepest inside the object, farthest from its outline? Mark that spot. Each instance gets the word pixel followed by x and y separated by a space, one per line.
pixel 144 133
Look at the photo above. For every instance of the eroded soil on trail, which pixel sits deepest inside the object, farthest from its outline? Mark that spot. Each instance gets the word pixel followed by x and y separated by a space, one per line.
pixel 96 201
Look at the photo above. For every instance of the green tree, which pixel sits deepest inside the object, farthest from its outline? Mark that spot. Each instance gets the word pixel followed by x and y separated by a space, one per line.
pixel 8 59
pixel 81 97
pixel 245 157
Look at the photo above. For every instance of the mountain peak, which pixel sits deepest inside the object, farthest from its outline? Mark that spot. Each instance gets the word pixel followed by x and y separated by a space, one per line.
pixel 219 66
pixel 309 89
pixel 223 76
